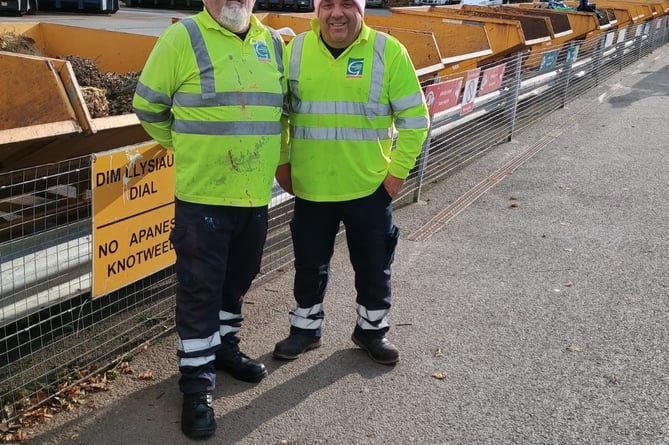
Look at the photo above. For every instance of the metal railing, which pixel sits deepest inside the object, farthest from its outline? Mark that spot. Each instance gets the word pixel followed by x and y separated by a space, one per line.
pixel 53 333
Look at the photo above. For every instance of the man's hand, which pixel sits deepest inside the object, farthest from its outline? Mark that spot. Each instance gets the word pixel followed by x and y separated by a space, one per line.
pixel 282 176
pixel 392 185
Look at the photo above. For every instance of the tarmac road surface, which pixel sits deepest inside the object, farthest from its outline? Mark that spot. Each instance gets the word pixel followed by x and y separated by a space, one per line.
pixel 538 315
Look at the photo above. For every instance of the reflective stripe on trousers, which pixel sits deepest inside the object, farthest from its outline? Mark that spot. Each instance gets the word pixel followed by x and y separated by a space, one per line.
pixel 218 251
pixel 371 237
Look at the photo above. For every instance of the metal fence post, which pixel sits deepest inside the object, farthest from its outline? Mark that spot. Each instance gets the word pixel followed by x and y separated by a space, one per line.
pixel 599 56
pixel 638 36
pixel 422 162
pixel 514 92
pixel 567 71
pixel 652 35
pixel 620 49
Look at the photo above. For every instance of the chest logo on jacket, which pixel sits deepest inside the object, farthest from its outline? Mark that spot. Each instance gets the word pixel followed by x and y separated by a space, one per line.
pixel 354 67
pixel 262 52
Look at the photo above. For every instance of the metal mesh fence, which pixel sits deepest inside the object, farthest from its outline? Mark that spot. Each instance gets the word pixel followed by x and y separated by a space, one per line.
pixel 53 333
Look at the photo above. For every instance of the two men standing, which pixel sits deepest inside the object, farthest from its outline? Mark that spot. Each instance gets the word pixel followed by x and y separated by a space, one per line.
pixel 212 91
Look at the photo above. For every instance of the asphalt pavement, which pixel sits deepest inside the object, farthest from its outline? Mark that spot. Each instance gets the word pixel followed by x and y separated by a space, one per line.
pixel 539 314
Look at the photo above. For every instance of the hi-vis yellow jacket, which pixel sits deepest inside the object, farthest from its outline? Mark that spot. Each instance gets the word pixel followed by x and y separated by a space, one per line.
pixel 217 102
pixel 342 114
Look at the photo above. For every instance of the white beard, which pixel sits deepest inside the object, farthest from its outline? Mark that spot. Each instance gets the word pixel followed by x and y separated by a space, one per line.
pixel 234 18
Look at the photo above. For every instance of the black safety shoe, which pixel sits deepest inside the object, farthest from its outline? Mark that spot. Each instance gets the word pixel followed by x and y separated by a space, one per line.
pixel 379 349
pixel 294 345
pixel 197 415
pixel 231 360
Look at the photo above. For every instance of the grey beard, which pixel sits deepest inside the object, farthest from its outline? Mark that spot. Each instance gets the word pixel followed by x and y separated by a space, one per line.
pixel 236 21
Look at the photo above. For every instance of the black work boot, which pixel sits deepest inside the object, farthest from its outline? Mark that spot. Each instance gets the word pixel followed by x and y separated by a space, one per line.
pixel 379 349
pixel 294 345
pixel 231 360
pixel 197 415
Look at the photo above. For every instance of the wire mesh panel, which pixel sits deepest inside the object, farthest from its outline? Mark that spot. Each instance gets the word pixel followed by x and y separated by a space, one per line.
pixel 53 333
pixel 45 251
pixel 278 247
pixel 458 136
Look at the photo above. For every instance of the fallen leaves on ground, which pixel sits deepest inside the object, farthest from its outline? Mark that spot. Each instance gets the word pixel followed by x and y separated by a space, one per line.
pixel 146 375
pixel 64 399
pixel 573 347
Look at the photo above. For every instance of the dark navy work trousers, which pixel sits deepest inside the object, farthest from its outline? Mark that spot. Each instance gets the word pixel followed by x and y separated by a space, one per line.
pixel 219 250
pixel 371 237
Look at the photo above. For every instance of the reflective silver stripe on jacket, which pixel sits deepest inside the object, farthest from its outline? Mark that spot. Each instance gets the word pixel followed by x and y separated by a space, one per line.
pixel 295 56
pixel 202 58
pixel 349 134
pixel 278 48
pixel 207 69
pixel 153 118
pixel 210 98
pixel 238 128
pixel 228 98
pixel 346 108
pixel 376 87
pixel 407 102
pixel 378 69
pixel 408 123
pixel 369 110
pixel 153 96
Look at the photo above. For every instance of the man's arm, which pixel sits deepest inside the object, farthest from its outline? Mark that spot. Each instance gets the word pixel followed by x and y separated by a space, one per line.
pixel 152 102
pixel 411 118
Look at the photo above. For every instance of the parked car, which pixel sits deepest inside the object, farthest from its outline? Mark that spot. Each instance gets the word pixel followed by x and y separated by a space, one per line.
pixel 376 3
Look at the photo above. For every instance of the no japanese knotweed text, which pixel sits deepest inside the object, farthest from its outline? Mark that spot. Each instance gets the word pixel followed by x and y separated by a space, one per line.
pixel 133 214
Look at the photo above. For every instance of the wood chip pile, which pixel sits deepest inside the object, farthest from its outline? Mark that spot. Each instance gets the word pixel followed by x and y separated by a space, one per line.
pixel 105 94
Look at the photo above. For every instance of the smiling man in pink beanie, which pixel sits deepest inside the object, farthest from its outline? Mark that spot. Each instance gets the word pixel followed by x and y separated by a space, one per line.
pixel 349 87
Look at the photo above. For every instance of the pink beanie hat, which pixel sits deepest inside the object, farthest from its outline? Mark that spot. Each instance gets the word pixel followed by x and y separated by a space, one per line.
pixel 359 3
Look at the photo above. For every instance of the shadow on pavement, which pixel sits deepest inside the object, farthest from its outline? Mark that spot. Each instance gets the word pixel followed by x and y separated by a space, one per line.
pixel 151 414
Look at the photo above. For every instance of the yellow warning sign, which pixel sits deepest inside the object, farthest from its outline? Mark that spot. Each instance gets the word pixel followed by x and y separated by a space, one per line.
pixel 133 214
